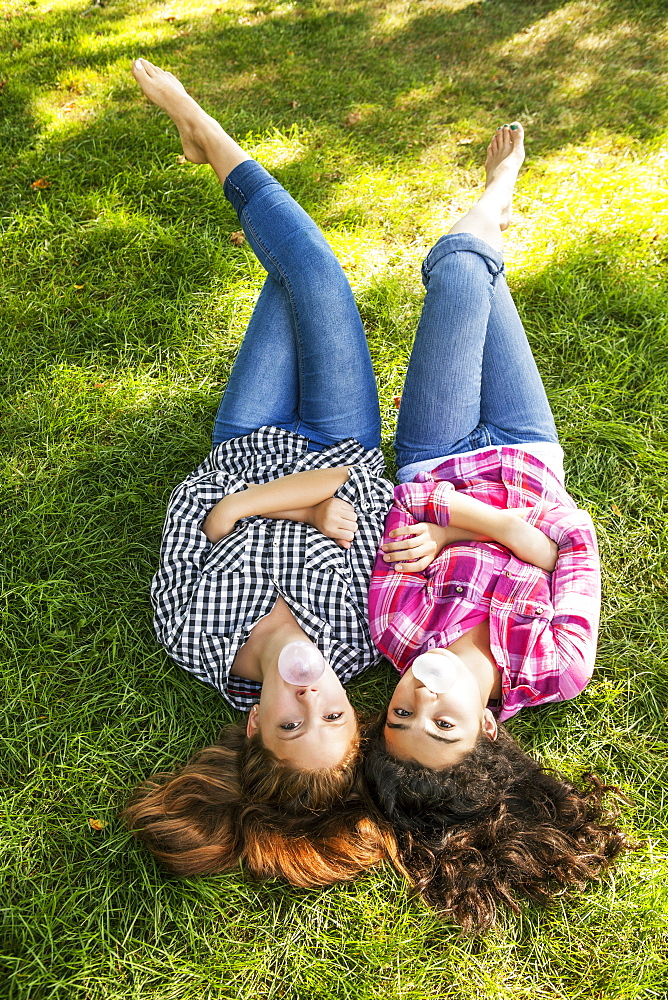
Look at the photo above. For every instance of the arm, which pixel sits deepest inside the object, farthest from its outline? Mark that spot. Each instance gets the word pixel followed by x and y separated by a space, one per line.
pixel 333 518
pixel 294 494
pixel 468 519
pixel 568 642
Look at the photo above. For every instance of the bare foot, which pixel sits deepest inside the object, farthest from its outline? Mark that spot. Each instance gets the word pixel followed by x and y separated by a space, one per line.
pixel 196 128
pixel 505 156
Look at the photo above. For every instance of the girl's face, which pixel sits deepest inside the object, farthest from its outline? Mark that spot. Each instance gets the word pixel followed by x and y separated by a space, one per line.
pixel 437 730
pixel 311 727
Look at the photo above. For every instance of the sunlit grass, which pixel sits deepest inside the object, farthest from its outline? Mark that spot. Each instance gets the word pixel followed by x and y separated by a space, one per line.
pixel 123 304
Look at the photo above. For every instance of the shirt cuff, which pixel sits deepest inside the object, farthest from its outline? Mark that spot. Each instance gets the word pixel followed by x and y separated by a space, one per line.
pixel 367 493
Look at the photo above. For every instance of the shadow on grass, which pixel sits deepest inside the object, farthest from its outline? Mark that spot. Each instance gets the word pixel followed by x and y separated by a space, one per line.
pixel 411 72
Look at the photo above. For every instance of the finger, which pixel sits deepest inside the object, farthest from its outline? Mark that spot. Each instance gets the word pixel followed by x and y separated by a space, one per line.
pixel 403 555
pixel 406 543
pixel 343 507
pixel 343 543
pixel 350 522
pixel 408 529
pixel 412 567
pixel 343 533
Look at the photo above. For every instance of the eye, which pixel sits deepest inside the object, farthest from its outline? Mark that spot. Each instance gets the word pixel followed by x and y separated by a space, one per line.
pixel 289 726
pixel 442 724
pixel 333 716
pixel 401 713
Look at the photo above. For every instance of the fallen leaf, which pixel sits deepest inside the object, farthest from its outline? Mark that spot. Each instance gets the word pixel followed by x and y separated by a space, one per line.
pixel 353 118
pixel 397 401
pixel 96 824
pixel 616 510
pixel 3 84
pixel 294 104
pixel 464 142
pixel 169 17
pixel 238 239
pixel 16 44
pixel 69 107
pixel 40 184
pixel 79 286
pixel 181 158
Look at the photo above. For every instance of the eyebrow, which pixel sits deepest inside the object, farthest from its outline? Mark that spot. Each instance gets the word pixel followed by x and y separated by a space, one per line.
pixel 433 736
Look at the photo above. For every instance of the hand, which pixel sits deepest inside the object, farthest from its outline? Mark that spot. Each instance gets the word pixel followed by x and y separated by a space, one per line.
pixel 417 551
pixel 335 519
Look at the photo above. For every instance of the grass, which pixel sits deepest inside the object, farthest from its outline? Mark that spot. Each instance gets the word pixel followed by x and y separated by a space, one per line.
pixel 123 303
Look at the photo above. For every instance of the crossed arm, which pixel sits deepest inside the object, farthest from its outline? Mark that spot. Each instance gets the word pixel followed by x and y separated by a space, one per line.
pixel 470 520
pixel 309 497
pixel 300 496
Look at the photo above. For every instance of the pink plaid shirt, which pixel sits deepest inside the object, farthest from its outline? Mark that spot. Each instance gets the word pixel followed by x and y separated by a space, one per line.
pixel 542 626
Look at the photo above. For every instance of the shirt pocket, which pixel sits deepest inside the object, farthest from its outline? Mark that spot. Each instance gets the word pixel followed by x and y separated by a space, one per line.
pixel 323 557
pixel 454 591
pixel 534 610
pixel 229 555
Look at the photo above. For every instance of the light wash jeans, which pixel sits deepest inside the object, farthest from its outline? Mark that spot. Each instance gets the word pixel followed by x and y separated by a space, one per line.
pixel 471 380
pixel 304 363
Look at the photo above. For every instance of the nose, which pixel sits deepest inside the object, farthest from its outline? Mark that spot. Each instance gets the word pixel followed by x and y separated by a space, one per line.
pixel 421 691
pixel 307 694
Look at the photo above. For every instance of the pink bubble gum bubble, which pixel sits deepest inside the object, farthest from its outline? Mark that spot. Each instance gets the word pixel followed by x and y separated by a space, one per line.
pixel 301 663
pixel 435 671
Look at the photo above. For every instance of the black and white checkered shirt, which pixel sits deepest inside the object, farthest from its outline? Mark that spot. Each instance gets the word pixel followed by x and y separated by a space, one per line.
pixel 208 596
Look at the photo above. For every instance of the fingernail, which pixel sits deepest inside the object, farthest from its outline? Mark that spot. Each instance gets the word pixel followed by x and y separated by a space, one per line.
pixel 513 128
pixel 386 558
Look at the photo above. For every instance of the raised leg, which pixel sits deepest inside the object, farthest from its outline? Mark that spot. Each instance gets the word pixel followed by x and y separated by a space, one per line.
pixel 336 391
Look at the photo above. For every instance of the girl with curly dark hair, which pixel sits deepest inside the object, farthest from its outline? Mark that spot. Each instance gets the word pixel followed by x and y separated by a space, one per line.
pixel 485 594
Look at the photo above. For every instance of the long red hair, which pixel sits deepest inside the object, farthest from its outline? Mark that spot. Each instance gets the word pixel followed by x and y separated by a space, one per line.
pixel 236 803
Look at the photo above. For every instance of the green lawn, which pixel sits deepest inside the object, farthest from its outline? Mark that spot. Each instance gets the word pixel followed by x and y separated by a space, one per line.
pixel 123 303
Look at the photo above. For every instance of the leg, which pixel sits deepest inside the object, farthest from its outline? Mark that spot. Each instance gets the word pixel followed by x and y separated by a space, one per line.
pixel 513 405
pixel 337 389
pixel 484 387
pixel 263 387
pixel 337 396
pixel 440 405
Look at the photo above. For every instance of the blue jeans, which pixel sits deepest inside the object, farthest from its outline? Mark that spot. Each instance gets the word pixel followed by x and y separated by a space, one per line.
pixel 304 363
pixel 471 380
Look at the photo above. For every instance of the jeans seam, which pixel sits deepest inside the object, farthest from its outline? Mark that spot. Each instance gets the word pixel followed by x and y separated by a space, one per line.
pixel 288 288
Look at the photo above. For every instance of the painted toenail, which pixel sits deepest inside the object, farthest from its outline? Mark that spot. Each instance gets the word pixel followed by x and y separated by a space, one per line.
pixel 513 128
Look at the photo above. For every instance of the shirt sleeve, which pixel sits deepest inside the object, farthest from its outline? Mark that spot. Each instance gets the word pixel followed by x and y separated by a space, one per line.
pixel 418 502
pixel 576 594
pixel 368 493
pixel 185 554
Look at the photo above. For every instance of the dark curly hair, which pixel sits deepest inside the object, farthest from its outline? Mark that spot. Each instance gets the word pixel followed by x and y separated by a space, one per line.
pixel 491 829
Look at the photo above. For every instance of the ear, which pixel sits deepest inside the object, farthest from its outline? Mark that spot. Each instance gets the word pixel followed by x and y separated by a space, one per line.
pixel 253 724
pixel 489 725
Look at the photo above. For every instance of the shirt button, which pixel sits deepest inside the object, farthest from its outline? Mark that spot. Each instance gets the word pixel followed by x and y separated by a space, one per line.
pixel 540 609
pixel 508 573
pixel 460 590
